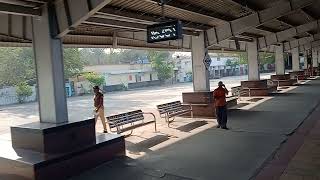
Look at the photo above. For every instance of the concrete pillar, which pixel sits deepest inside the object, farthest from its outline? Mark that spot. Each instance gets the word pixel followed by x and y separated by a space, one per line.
pixel 279 60
pixel 200 72
pixel 305 61
pixel 318 60
pixel 314 58
pixel 50 73
pixel 295 59
pixel 253 63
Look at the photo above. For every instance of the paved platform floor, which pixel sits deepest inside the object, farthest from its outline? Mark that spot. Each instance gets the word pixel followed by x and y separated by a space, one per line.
pixel 305 164
pixel 80 108
pixel 259 131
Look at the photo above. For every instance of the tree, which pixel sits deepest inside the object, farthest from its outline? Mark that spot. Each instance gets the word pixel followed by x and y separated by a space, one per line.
pixel 160 63
pixel 94 79
pixel 132 55
pixel 266 58
pixel 17 65
pixel 23 91
pixel 243 58
pixel 232 63
pixel 73 63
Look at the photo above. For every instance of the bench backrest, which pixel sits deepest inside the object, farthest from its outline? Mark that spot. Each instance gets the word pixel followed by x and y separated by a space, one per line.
pixel 125 118
pixel 169 107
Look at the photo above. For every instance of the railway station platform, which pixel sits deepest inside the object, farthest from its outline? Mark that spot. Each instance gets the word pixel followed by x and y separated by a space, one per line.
pixel 274 139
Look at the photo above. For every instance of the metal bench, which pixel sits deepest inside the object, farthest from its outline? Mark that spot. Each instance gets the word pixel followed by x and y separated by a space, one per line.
pixel 173 109
pixel 128 121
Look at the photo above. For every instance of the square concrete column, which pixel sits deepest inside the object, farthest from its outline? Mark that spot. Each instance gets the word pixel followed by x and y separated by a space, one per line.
pixel 314 58
pixel 318 60
pixel 200 72
pixel 305 60
pixel 50 71
pixel 295 59
pixel 253 62
pixel 279 60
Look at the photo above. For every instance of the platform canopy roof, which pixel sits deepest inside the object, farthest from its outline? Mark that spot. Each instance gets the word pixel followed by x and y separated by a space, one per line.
pixel 123 23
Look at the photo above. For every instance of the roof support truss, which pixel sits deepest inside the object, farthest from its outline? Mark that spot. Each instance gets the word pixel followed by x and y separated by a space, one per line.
pixel 238 26
pixel 19 10
pixel 71 13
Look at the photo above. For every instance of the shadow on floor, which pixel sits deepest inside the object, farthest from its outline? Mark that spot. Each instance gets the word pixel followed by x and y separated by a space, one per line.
pixel 145 145
pixel 255 99
pixel 240 105
pixel 191 126
pixel 286 94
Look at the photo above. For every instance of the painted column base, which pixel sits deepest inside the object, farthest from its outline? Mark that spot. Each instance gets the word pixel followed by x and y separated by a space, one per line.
pixel 203 103
pixel 257 88
pixel 300 75
pixel 283 80
pixel 41 151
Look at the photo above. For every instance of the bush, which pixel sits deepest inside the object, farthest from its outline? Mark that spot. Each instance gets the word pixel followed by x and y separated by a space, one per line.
pixel 95 79
pixel 23 91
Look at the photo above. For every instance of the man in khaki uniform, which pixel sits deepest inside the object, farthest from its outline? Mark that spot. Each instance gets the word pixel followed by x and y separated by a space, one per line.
pixel 99 108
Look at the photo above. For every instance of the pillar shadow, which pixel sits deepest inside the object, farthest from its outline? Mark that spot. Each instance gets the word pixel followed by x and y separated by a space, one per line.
pixel 191 126
pixel 287 94
pixel 145 145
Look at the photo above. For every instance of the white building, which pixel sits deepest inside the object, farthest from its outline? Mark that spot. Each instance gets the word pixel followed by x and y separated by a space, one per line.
pixel 119 76
pixel 218 67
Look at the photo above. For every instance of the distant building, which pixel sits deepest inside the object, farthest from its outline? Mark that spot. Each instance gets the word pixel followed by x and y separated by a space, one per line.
pixel 183 65
pixel 218 67
pixel 119 77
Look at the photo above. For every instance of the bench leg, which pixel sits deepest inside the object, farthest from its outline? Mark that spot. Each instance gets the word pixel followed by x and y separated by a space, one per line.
pixel 155 126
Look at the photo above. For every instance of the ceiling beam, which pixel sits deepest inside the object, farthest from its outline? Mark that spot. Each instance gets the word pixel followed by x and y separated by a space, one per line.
pixel 195 9
pixel 246 4
pixel 19 10
pixel 126 25
pixel 292 26
pixel 299 42
pixel 25 3
pixel 240 25
pixel 72 13
pixel 281 36
pixel 136 16
pixel 307 14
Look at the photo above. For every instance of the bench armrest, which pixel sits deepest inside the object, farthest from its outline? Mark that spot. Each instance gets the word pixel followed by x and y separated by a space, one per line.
pixel 150 113
pixel 154 119
pixel 190 105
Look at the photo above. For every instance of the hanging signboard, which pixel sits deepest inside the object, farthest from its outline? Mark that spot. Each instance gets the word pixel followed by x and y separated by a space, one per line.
pixel 207 60
pixel 164 31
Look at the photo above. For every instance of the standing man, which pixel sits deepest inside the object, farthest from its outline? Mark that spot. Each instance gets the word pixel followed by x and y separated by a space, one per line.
pixel 220 103
pixel 99 108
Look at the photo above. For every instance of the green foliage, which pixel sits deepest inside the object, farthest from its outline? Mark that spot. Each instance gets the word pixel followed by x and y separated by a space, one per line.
pixel 243 58
pixel 95 79
pixel 73 64
pixel 232 63
pixel 266 58
pixel 132 55
pixel 23 91
pixel 98 56
pixel 17 65
pixel 160 63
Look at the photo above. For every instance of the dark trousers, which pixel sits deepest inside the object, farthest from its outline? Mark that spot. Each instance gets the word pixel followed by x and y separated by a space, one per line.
pixel 221 112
